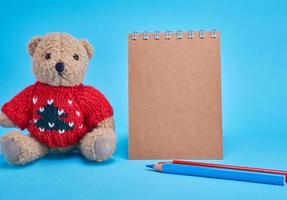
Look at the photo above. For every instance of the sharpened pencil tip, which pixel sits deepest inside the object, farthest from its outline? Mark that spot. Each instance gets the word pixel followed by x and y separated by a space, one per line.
pixel 149 166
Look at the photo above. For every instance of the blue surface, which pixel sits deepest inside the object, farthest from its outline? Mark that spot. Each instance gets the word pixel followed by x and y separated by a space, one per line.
pixel 254 75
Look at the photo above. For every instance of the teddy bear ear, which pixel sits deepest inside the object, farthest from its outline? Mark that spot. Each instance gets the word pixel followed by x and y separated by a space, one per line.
pixel 33 44
pixel 88 48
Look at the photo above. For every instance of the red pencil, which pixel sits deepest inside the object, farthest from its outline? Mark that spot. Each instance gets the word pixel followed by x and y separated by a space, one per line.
pixel 272 171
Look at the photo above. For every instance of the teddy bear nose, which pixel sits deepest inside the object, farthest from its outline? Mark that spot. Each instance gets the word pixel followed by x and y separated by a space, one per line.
pixel 59 67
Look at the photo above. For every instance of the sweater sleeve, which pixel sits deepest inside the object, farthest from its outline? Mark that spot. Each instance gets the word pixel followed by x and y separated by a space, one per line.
pixel 19 108
pixel 95 106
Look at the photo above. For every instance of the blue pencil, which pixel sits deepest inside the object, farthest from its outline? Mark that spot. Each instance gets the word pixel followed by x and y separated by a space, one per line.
pixel 210 172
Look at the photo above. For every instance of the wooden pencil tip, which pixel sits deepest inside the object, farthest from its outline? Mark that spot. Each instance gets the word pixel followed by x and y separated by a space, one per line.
pixel 149 166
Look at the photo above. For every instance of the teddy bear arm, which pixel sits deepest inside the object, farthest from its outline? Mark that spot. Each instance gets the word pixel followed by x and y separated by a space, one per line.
pixel 5 121
pixel 107 123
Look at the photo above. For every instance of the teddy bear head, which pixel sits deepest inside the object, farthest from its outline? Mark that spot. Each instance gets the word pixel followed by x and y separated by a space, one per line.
pixel 60 59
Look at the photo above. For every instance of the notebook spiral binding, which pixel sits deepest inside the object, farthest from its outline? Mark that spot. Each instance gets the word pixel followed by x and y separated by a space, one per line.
pixel 168 35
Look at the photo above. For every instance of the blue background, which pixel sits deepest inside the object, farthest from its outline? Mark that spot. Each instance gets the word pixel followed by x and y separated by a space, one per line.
pixel 253 52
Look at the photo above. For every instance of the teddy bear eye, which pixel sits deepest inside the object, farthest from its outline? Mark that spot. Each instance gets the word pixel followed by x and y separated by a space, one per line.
pixel 47 56
pixel 76 57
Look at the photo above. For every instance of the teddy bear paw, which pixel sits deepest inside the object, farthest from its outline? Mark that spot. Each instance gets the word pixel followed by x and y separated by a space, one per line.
pixel 10 150
pixel 104 147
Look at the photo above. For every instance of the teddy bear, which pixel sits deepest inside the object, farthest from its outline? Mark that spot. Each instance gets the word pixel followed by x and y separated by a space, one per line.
pixel 60 112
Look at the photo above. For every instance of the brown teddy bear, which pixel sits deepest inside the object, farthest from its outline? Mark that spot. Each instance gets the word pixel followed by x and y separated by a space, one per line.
pixel 59 112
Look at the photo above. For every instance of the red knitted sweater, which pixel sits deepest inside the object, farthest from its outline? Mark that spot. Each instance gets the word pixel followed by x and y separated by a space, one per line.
pixel 58 116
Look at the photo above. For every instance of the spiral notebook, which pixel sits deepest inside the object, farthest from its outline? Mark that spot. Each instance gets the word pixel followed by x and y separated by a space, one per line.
pixel 175 95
